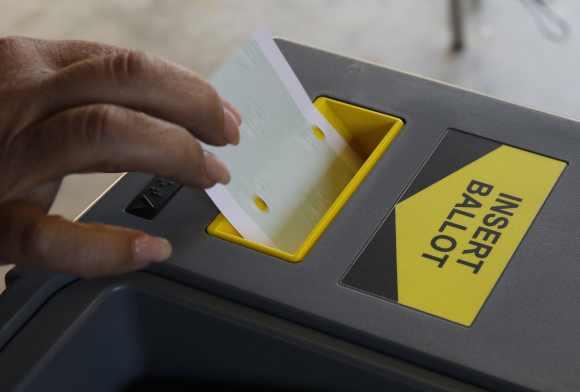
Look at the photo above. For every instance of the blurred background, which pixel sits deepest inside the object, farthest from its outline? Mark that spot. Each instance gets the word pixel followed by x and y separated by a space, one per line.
pixel 523 51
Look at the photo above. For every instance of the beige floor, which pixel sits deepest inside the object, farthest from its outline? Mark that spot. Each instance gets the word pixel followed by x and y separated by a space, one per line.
pixel 507 57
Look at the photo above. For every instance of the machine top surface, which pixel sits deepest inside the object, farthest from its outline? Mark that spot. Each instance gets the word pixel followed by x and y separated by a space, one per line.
pixel 526 332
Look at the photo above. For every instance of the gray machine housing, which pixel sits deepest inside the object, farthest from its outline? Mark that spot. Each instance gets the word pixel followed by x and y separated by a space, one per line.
pixel 194 317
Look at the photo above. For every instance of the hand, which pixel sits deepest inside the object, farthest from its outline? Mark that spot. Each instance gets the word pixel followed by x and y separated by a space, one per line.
pixel 79 107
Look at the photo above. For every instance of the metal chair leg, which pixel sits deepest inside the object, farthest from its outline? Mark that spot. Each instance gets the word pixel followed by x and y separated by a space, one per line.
pixel 457 25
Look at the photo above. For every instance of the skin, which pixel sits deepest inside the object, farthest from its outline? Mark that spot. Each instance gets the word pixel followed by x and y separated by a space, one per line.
pixel 80 107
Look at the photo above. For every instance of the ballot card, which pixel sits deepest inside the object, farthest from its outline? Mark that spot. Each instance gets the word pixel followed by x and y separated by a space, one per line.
pixel 291 164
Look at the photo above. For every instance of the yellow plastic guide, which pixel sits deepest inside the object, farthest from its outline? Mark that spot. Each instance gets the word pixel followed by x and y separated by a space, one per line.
pixel 369 133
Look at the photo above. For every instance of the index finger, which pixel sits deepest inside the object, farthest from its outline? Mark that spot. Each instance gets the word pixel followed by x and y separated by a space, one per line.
pixel 62 53
pixel 144 83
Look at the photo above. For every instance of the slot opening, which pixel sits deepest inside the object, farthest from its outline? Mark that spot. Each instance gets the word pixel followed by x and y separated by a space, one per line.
pixel 368 132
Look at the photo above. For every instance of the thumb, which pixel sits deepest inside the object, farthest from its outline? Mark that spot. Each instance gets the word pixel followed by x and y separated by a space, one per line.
pixel 85 250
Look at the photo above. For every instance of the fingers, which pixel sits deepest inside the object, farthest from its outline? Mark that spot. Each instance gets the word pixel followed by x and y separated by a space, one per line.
pixel 148 84
pixel 43 195
pixel 64 53
pixel 84 250
pixel 107 138
pixel 60 54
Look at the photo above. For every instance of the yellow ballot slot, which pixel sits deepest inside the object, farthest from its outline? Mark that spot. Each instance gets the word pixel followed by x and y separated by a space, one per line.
pixel 369 133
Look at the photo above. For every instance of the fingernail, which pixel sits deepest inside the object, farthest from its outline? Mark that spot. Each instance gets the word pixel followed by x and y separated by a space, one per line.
pixel 148 249
pixel 215 169
pixel 234 111
pixel 231 127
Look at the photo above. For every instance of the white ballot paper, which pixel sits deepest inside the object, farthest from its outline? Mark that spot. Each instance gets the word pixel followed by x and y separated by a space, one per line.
pixel 284 177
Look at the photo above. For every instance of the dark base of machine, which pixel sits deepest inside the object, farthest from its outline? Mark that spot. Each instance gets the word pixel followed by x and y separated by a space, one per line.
pixel 144 333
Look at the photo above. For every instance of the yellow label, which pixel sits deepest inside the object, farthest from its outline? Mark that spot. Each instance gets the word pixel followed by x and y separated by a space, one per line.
pixel 455 237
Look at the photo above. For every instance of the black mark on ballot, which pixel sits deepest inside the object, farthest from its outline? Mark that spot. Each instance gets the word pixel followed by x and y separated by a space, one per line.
pixel 464 214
